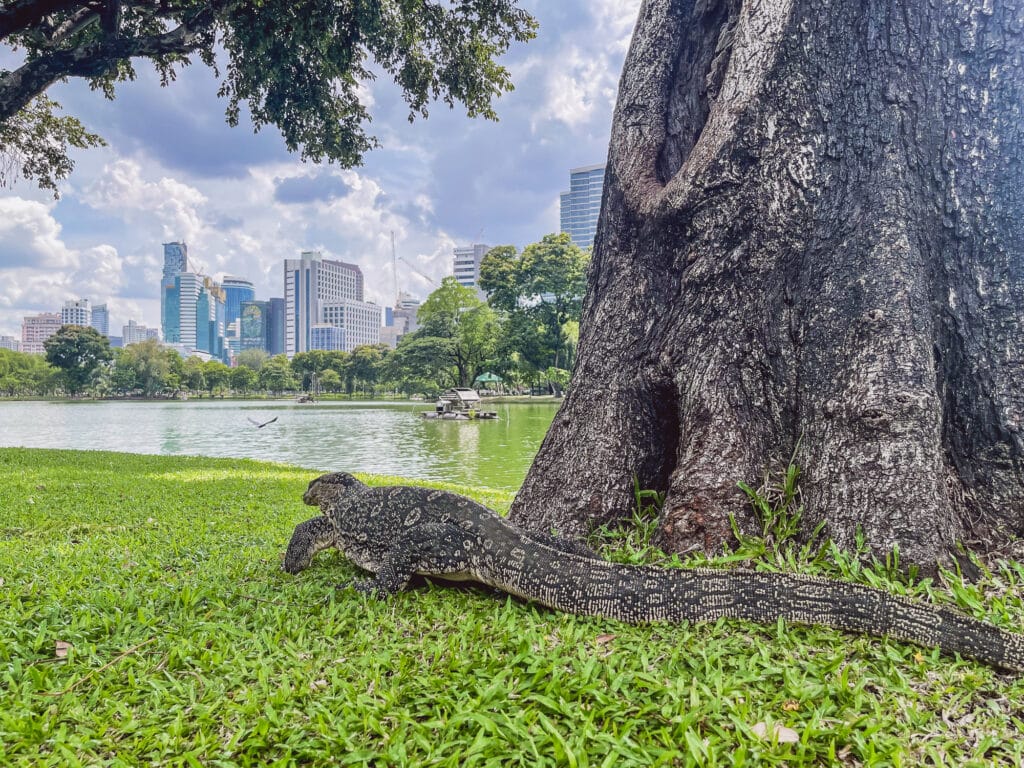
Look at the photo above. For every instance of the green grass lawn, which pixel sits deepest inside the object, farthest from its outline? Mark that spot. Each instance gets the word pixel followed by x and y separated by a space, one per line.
pixel 186 645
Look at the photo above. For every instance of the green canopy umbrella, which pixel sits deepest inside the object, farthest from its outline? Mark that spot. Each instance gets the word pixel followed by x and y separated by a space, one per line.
pixel 488 378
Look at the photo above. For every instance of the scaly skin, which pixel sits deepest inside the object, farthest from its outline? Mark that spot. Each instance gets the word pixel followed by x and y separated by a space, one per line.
pixel 397 531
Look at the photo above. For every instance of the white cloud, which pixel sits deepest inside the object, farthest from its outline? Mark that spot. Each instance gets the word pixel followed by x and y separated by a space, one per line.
pixel 434 183
pixel 584 83
pixel 39 271
pixel 615 20
pixel 580 88
pixel 121 189
pixel 30 236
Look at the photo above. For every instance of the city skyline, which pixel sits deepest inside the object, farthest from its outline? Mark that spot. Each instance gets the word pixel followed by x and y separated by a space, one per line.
pixel 243 204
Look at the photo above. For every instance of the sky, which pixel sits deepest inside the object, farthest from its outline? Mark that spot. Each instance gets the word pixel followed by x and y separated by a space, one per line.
pixel 174 170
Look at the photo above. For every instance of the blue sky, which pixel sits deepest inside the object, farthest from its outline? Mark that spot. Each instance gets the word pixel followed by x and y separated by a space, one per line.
pixel 173 170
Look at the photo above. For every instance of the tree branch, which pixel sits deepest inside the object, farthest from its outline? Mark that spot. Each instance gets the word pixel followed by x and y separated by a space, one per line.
pixel 22 14
pixel 96 58
pixel 79 21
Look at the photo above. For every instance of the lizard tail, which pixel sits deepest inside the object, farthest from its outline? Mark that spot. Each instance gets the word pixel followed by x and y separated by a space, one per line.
pixel 639 594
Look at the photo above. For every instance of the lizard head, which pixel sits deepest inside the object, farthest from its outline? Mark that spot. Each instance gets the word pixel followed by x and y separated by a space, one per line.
pixel 330 486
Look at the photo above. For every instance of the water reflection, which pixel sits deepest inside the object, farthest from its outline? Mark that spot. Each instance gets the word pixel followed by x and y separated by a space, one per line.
pixel 382 438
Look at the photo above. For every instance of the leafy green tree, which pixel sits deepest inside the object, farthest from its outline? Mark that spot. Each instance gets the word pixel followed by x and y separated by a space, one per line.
pixel 276 375
pixel 192 378
pixel 306 365
pixel 330 380
pixel 151 367
pixel 25 374
pixel 463 327
pixel 298 64
pixel 34 144
pixel 252 358
pixel 216 375
pixel 78 352
pixel 541 291
pixel 419 364
pixel 242 379
pixel 364 366
pixel 123 378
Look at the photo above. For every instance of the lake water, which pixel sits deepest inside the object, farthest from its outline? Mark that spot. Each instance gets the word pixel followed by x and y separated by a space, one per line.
pixel 375 437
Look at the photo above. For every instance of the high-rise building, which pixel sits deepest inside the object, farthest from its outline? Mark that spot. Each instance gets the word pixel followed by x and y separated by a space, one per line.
pixel 400 320
pixel 175 263
pixel 36 329
pixel 254 325
pixel 581 205
pixel 236 290
pixel 11 343
pixel 193 314
pixel 100 319
pixel 210 313
pixel 133 333
pixel 76 313
pixel 180 295
pixel 309 282
pixel 326 337
pixel 275 331
pixel 406 310
pixel 466 266
pixel 359 320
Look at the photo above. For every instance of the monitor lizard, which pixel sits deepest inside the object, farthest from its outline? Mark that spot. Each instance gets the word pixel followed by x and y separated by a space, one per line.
pixel 397 531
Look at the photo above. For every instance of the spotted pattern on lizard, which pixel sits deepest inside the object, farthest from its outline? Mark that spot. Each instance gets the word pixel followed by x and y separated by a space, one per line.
pixel 395 532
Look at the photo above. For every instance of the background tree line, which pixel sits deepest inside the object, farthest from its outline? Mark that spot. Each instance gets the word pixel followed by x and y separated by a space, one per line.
pixel 526 332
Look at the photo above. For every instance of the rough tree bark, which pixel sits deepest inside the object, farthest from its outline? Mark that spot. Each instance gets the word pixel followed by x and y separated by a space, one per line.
pixel 812 232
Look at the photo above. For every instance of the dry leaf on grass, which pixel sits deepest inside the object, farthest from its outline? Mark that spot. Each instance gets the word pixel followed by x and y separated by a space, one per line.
pixel 782 734
pixel 60 649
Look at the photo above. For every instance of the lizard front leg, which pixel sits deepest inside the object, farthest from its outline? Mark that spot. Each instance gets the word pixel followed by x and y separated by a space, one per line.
pixel 431 549
pixel 309 538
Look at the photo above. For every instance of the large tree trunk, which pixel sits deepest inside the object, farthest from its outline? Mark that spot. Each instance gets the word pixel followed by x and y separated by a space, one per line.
pixel 812 233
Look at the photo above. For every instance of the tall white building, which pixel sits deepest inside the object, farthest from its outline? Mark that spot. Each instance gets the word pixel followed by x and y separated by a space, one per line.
pixel 310 282
pixel 188 286
pixel 466 264
pixel 360 320
pixel 76 313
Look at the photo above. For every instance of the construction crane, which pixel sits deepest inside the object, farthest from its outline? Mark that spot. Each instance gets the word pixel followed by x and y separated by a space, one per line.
pixel 411 266
pixel 395 258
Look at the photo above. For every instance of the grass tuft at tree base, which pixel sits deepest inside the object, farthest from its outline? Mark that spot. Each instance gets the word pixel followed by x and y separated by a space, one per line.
pixel 145 620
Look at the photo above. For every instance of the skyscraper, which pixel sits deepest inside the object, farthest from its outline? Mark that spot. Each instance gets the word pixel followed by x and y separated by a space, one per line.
pixel 254 325
pixel 466 265
pixel 310 282
pixel 236 290
pixel 275 330
pixel 175 262
pixel 76 313
pixel 194 314
pixel 581 205
pixel 100 319
pixel 179 296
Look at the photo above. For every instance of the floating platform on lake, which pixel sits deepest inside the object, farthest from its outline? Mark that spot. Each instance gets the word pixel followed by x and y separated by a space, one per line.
pixel 458 404
pixel 467 416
